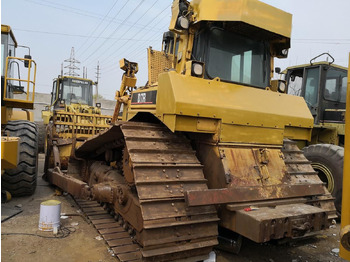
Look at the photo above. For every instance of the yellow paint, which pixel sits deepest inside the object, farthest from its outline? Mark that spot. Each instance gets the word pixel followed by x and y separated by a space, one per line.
pixel 314 64
pixel 46 115
pixel 252 12
pixel 252 109
pixel 27 103
pixel 8 114
pixel 345 215
pixel 9 152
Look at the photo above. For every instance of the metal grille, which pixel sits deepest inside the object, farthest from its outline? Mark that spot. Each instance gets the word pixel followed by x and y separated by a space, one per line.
pixel 158 62
pixel 68 125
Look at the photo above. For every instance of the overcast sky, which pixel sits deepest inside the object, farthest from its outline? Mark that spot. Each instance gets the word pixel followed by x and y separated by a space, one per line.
pixel 108 30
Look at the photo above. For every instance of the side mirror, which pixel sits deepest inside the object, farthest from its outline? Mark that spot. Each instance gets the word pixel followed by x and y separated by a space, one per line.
pixel 26 62
pixel 278 70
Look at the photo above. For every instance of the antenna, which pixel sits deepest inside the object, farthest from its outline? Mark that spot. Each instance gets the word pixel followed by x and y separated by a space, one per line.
pixel 72 67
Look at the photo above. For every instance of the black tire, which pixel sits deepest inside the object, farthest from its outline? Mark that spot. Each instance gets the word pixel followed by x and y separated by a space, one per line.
pixel 22 180
pixel 328 161
pixel 41 135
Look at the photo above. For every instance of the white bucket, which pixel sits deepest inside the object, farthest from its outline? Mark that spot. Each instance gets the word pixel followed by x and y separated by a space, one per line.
pixel 50 212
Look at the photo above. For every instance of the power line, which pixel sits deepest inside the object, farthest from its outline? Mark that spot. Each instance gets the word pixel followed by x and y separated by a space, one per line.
pixel 92 53
pixel 77 11
pixel 138 48
pixel 105 27
pixel 119 47
pixel 98 24
pixel 75 35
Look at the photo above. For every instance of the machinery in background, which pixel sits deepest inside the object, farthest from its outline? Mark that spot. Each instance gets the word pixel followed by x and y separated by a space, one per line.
pixel 71 117
pixel 345 221
pixel 207 149
pixel 19 137
pixel 323 86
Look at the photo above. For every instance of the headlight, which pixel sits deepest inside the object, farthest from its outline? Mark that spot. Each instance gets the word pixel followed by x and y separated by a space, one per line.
pixel 281 86
pixel 197 69
pixel 183 22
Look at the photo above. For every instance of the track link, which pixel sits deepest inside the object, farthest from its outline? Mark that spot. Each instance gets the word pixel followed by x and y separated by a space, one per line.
pixel 300 170
pixel 157 168
pixel 119 241
pixel 164 166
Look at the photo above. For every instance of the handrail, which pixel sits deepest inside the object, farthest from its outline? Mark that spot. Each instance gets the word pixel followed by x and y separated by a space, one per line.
pixel 29 81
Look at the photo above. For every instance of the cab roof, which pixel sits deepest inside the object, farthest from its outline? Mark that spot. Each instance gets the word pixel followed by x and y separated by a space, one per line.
pixel 6 29
pixel 74 77
pixel 314 64
pixel 252 12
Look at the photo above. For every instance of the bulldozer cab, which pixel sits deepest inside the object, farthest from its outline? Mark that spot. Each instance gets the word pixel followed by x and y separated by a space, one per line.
pixel 71 90
pixel 243 60
pixel 17 76
pixel 323 86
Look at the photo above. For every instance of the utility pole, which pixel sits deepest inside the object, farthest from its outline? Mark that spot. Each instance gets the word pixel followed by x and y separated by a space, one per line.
pixel 72 67
pixel 97 78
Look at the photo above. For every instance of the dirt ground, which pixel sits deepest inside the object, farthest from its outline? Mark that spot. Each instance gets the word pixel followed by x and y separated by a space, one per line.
pixel 82 244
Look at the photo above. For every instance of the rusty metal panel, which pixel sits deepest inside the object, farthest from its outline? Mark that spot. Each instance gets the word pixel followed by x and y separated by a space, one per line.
pixel 292 220
pixel 172 208
pixel 152 173
pixel 144 156
pixel 69 184
pixel 246 194
pixel 93 145
pixel 164 189
pixel 173 234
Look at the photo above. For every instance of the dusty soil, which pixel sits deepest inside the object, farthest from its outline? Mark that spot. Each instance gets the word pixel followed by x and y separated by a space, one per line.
pixel 78 246
pixel 82 245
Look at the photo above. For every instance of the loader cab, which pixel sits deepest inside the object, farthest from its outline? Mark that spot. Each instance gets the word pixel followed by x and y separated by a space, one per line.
pixel 71 90
pixel 17 75
pixel 323 86
pixel 8 48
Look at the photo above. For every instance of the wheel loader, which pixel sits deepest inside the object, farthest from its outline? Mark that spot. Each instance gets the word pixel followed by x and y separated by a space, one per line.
pixel 71 115
pixel 206 152
pixel 323 85
pixel 19 137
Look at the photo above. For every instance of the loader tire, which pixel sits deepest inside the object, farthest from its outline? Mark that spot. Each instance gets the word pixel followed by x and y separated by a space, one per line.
pixel 22 180
pixel 41 136
pixel 328 160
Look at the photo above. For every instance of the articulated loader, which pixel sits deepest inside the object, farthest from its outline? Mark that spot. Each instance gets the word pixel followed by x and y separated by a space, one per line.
pixel 19 137
pixel 71 116
pixel 323 86
pixel 206 150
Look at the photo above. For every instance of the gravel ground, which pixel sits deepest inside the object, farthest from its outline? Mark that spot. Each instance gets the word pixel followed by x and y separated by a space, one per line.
pixel 82 244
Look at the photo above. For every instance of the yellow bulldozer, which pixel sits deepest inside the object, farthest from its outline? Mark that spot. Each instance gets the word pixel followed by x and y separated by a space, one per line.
pixel 19 138
pixel 206 152
pixel 323 86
